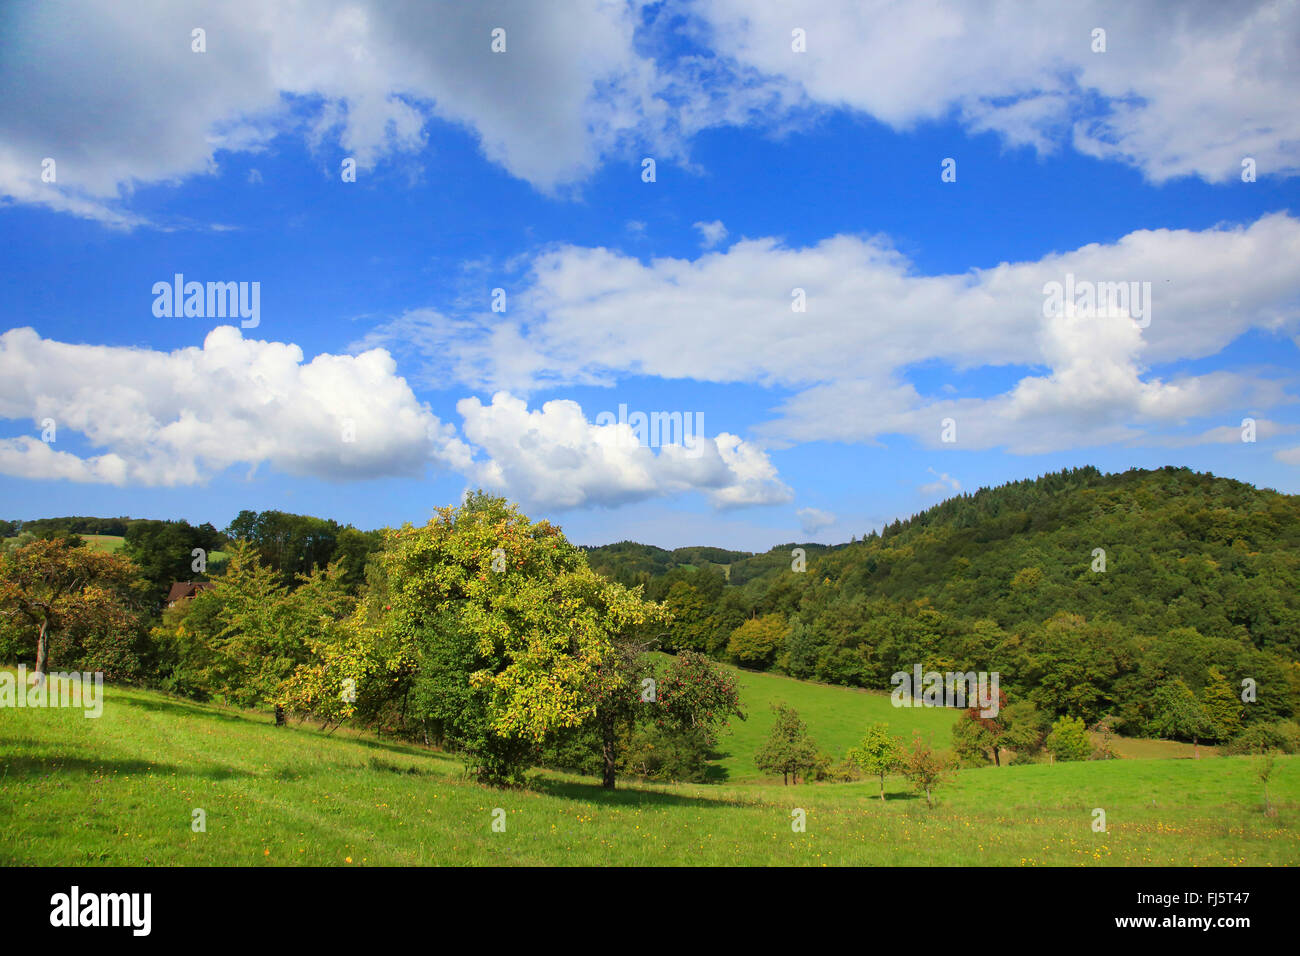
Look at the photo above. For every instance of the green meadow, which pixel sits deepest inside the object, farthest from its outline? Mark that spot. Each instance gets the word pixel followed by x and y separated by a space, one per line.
pixel 122 790
pixel 98 542
pixel 835 717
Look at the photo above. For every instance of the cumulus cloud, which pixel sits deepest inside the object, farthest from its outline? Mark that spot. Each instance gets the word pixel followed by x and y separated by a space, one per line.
pixel 554 456
pixel 181 417
pixel 365 78
pixel 588 315
pixel 1181 89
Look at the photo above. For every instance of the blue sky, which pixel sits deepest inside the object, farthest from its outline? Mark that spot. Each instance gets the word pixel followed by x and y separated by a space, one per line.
pixel 522 170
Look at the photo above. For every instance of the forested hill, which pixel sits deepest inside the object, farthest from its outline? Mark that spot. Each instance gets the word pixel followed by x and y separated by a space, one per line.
pixel 1181 550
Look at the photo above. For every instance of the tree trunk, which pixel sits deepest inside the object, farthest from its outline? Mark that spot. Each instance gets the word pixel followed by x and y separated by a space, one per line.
pixel 1196 749
pixel 279 715
pixel 42 652
pixel 928 801
pixel 882 786
pixel 609 752
pixel 785 778
pixel 997 756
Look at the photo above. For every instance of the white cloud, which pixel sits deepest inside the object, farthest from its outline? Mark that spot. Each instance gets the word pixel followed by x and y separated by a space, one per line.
pixel 946 483
pixel 588 80
pixel 355 78
pixel 1179 91
pixel 591 315
pixel 812 520
pixel 555 457
pixel 711 233
pixel 179 418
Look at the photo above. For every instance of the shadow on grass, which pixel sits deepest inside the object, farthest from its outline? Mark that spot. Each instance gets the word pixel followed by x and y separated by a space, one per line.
pixel 625 795
pixel 175 707
pixel 22 766
pixel 179 707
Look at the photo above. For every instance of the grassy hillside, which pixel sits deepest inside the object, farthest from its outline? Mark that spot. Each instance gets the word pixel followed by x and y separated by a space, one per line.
pixel 835 717
pixel 103 542
pixel 98 542
pixel 121 790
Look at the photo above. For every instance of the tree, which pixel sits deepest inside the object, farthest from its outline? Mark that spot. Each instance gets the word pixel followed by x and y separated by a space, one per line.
pixel 977 738
pixel 1069 739
pixel 756 642
pixel 877 753
pixel 788 749
pixel 164 551
pixel 1222 707
pixel 924 768
pixel 1026 729
pixel 514 635
pixel 1179 714
pixel 1264 771
pixel 245 639
pixel 673 730
pixel 52 586
pixel 971 741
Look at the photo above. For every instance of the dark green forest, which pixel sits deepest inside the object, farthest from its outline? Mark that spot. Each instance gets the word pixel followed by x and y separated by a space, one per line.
pixel 1193 571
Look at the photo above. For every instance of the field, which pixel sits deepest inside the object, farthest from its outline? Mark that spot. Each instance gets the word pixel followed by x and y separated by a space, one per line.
pixel 122 790
pixel 98 542
pixel 835 717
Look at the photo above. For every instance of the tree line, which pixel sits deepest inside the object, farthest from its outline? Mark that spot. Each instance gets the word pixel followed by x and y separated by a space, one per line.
pixel 482 631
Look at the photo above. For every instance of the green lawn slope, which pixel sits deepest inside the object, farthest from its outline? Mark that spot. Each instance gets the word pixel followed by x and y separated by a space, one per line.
pixel 122 790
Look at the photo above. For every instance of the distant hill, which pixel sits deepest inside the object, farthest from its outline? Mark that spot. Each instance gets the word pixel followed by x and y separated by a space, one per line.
pixel 1181 549
pixel 1087 590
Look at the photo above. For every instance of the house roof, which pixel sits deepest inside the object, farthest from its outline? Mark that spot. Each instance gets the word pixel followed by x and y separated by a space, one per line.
pixel 186 589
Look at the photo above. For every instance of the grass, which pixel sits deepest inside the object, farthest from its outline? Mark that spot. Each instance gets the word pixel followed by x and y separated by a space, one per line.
pixel 98 542
pixel 835 717
pixel 121 790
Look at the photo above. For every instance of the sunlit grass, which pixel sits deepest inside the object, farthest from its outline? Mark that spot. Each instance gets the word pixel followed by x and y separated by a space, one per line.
pixel 121 790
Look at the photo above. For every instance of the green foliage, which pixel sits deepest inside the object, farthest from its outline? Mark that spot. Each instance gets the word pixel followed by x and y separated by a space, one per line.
pixel 67 607
pixel 292 545
pixel 295 797
pixel 1283 736
pixel 755 642
pixel 877 754
pixel 512 634
pixel 1200 571
pixel 1178 714
pixel 1222 707
pixel 788 750
pixel 164 551
pixel 1026 730
pixel 1069 740
pixel 924 768
pixel 244 639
